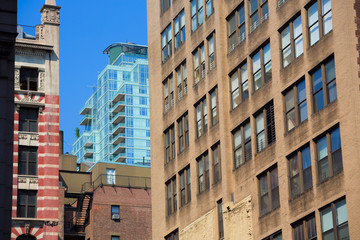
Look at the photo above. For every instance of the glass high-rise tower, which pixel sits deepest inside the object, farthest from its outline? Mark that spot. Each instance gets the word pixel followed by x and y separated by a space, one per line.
pixel 116 116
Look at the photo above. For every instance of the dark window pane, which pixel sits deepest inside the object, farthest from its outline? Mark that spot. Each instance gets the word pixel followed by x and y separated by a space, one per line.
pixel 307 179
pixel 319 101
pixel 323 169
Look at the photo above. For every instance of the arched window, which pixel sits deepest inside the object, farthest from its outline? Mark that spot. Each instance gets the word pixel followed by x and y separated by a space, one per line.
pixel 26 237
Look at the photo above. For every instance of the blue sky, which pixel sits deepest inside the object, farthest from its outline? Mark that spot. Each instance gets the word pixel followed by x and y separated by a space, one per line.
pixel 87 28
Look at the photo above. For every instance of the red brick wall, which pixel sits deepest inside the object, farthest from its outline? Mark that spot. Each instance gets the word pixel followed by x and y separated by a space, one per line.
pixel 135 214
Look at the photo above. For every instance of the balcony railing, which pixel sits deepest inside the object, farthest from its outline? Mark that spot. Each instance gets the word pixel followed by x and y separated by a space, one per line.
pixel 122 181
pixel 26 32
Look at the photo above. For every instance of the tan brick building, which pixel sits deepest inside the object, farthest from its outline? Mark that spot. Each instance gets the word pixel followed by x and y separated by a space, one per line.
pixel 254 119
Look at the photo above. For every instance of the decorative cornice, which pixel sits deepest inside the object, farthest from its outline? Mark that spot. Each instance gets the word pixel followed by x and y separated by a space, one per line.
pixel 50 14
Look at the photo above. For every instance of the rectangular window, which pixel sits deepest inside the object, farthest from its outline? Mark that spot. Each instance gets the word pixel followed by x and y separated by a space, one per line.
pixel 197 15
pixel 211 46
pixel 28 119
pixel 199 63
pixel 305 229
pixel 201 117
pixel 300 172
pixel 216 162
pixel 173 236
pixel 185 186
pixel 239 85
pixel 171 196
pixel 318 29
pixel 183 132
pixel 236 27
pixel 324 84
pixel 181 80
pixel 165 5
pixel 166 44
pixel 265 127
pixel 26 204
pixel 295 105
pixel 27 160
pixel 179 29
pixel 110 176
pixel 209 7
pixel 220 219
pixel 334 221
pixel 261 66
pixel 259 12
pixel 169 144
pixel 269 190
pixel 28 79
pixel 291 41
pixel 169 95
pixel 203 172
pixel 115 237
pixel 214 111
pixel 329 155
pixel 115 212
pixel 275 236
pixel 242 144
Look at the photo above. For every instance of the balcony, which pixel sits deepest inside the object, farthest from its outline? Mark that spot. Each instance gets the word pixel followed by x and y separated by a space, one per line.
pixel 120 127
pixel 119 138
pixel 118 96
pixel 119 117
pixel 122 181
pixel 118 107
pixel 88 153
pixel 85 110
pixel 86 120
pixel 119 148
pixel 121 157
pixel 88 140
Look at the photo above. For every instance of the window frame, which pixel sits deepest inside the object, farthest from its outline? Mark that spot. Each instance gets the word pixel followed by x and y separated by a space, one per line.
pixel 214 107
pixel 199 69
pixel 271 191
pixel 181 83
pixel 27 72
pixel 220 219
pixel 263 65
pixel 174 235
pixel 164 6
pixel 269 136
pixel 199 13
pixel 216 160
pixel 24 118
pixel 211 7
pixel 185 186
pixel 240 90
pixel 170 149
pixel 168 93
pixel 259 12
pixel 168 43
pixel 211 55
pixel 110 176
pixel 170 201
pixel 201 124
pixel 181 32
pixel 203 172
pixel 27 161
pixel 274 236
pixel 241 129
pixel 303 225
pixel 239 26
pixel 26 193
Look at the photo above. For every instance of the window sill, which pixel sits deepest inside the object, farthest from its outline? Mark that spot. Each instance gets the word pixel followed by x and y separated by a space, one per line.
pixel 300 195
pixel 321 39
pixel 290 132
pixel 269 213
pixel 292 63
pixel 325 107
pixel 203 192
pixel 241 165
pixel 201 137
pixel 30 92
pixel 238 106
pixel 330 178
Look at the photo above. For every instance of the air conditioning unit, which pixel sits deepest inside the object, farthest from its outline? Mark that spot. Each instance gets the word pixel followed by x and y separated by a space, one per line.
pixel 115 217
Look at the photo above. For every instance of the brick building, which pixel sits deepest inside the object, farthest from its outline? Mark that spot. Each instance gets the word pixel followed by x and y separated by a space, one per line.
pixel 36 128
pixel 255 134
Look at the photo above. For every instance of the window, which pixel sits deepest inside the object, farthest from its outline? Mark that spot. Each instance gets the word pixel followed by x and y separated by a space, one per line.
pixel 185 186
pixel 201 118
pixel 216 162
pixel 110 176
pixel 211 46
pixel 242 144
pixel 181 79
pixel 171 196
pixel 199 63
pixel 165 5
pixel 115 238
pixel 220 219
pixel 291 41
pixel 214 115
pixel 261 66
pixel 203 172
pixel 115 212
pixel 27 160
pixel 295 105
pixel 236 27
pixel 197 17
pixel 324 85
pixel 269 190
pixel 183 128
pixel 318 29
pixel 239 85
pixel 300 172
pixel 169 97
pixel 166 44
pixel 258 8
pixel 275 236
pixel 265 127
pixel 28 79
pixel 173 236
pixel 305 229
pixel 209 6
pixel 28 119
pixel 329 155
pixel 169 144
pixel 26 204
pixel 179 29
pixel 334 221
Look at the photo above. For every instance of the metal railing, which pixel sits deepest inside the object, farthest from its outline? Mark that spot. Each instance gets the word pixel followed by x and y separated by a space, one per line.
pixel 122 181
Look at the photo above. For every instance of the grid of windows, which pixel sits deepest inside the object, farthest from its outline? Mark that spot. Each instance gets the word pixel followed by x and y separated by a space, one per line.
pixel 265 127
pixel 203 172
pixel 171 196
pixel 185 186
pixel 183 132
pixel 181 80
pixel 319 22
pixel 261 66
pixel 324 84
pixel 239 85
pixel 197 15
pixel 242 144
pixel 269 190
pixel 199 63
pixel 179 29
pixel 166 44
pixel 236 27
pixel 201 118
pixel 170 144
pixel 329 154
pixel 291 41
